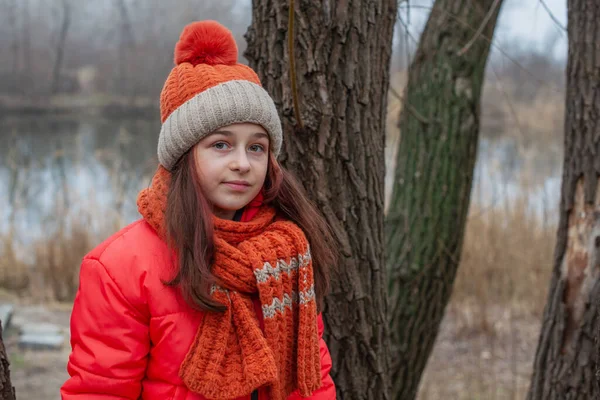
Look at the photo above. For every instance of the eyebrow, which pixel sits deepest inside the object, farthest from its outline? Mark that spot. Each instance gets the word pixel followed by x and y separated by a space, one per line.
pixel 229 134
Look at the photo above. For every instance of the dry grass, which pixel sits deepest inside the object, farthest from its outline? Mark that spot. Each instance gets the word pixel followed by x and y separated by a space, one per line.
pixel 57 261
pixel 51 269
pixel 506 259
pixel 47 269
pixel 14 273
pixel 488 337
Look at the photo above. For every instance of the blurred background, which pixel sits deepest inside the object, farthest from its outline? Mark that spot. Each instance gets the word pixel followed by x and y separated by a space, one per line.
pixel 79 123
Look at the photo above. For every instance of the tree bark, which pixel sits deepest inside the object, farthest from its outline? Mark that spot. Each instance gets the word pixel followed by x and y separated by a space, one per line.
pixel 334 142
pixel 566 359
pixel 439 129
pixel 7 391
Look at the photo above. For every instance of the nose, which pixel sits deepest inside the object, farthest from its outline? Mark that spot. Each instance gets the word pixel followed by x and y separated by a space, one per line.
pixel 240 161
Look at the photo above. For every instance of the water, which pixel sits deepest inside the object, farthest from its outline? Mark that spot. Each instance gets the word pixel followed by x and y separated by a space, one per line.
pixel 505 174
pixel 54 169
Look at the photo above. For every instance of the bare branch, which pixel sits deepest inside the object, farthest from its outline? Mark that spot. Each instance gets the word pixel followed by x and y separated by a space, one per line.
pixel 497 47
pixel 409 107
pixel 508 102
pixel 479 31
pixel 563 30
pixel 408 34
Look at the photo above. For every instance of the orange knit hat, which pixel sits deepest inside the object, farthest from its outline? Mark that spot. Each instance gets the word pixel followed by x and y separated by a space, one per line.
pixel 208 89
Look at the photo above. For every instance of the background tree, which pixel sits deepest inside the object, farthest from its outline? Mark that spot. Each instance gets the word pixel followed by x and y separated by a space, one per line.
pixel 61 45
pixel 7 391
pixel 439 130
pixel 329 78
pixel 566 362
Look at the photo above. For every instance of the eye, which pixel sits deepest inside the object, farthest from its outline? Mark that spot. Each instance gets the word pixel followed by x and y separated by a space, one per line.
pixel 220 146
pixel 257 148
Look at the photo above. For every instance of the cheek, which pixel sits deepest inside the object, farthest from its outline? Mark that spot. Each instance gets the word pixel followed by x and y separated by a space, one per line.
pixel 207 175
pixel 261 168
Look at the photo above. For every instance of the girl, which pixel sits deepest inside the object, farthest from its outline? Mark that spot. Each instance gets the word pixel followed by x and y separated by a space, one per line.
pixel 216 292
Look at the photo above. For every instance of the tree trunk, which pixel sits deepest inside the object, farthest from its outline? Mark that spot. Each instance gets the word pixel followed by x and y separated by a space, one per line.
pixel 26 78
pixel 126 49
pixel 60 46
pixel 566 360
pixel 13 24
pixel 439 129
pixel 598 355
pixel 334 142
pixel 7 391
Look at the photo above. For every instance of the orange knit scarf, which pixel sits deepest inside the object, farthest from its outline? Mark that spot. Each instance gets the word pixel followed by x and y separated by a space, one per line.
pixel 230 356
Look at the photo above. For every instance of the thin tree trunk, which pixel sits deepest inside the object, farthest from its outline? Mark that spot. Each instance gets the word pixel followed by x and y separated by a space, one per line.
pixel 60 46
pixel 13 23
pixel 335 145
pixel 598 355
pixel 566 359
pixel 7 391
pixel 439 129
pixel 126 47
pixel 27 76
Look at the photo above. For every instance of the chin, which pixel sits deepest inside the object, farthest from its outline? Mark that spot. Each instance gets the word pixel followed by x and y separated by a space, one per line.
pixel 233 206
pixel 233 203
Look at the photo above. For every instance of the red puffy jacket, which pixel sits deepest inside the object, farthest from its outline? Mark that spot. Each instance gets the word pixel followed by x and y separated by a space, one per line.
pixel 130 332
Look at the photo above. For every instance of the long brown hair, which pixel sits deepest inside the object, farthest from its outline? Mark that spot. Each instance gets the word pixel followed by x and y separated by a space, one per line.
pixel 190 229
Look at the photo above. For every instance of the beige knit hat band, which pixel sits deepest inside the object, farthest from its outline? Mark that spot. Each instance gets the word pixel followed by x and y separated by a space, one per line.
pixel 228 103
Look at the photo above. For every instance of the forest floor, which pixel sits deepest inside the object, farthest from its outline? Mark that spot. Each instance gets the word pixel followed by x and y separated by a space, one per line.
pixel 482 358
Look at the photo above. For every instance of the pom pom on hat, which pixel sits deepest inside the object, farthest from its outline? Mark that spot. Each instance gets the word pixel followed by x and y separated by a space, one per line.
pixel 206 42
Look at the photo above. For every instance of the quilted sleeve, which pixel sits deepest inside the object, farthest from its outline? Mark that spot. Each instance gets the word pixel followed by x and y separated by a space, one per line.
pixel 109 340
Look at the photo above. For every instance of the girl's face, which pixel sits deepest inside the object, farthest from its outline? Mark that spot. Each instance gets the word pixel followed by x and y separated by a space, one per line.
pixel 231 163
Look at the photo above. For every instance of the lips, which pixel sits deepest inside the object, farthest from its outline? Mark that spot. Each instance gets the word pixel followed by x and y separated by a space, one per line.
pixel 239 186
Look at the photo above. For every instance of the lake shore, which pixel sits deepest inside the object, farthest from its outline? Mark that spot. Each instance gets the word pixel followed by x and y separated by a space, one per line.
pixel 78 104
